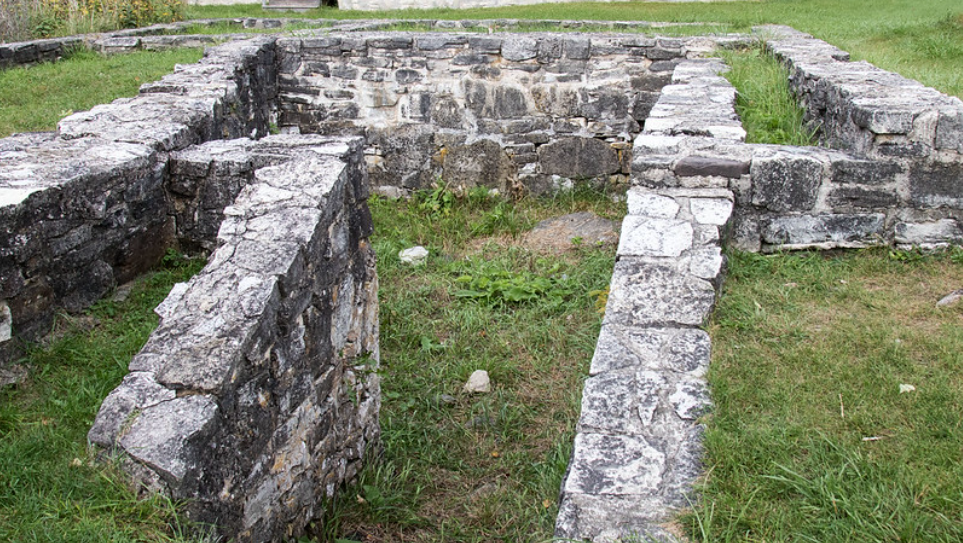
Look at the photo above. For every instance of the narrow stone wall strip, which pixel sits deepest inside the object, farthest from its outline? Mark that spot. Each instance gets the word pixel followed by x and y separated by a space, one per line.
pixel 637 445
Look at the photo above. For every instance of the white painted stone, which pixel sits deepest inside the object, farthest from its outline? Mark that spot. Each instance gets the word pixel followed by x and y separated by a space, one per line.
pixel 715 211
pixel 646 236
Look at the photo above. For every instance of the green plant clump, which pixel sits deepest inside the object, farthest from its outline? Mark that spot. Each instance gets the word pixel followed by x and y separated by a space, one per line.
pixel 765 104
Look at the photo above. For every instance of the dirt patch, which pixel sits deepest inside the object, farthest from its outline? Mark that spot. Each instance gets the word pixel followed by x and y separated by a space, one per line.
pixel 567 232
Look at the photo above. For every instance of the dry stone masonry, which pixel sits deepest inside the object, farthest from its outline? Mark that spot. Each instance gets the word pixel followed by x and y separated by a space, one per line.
pixel 257 396
pixel 638 438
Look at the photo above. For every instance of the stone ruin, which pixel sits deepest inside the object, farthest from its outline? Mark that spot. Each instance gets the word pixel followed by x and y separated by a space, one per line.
pixel 257 396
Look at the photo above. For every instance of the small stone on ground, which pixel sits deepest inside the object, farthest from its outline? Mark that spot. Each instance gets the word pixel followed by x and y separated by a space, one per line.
pixel 478 383
pixel 414 256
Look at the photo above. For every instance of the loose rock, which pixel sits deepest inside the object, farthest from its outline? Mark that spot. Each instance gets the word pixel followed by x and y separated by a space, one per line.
pixel 478 383
pixel 414 255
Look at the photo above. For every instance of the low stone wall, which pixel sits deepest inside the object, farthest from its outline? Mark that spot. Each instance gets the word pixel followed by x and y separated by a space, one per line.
pixel 904 141
pixel 638 442
pixel 86 209
pixel 508 111
pixel 295 345
pixel 258 394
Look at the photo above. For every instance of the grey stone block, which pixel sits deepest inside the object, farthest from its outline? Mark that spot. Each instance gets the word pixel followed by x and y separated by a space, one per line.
pixel 864 172
pixel 644 294
pixel 654 237
pixel 785 182
pixel 683 350
pixel 694 165
pixel 838 230
pixel 614 465
pixel 936 184
pixel 576 157
pixel 929 233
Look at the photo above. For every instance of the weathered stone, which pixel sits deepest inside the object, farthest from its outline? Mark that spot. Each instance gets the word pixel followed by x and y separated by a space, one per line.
pixel 693 165
pixel 478 383
pixel 578 158
pixel 482 163
pixel 647 203
pixel 413 255
pixel 520 49
pixel 859 197
pixel 166 436
pixel 864 172
pixel 929 233
pixel 569 231
pixel 651 236
pixel 608 464
pixel 785 182
pixel 936 184
pixel 825 230
pixel 616 403
pixel 643 293
pixel 660 349
pixel 715 211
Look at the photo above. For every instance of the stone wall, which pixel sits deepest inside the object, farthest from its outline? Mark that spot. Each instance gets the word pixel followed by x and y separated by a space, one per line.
pixel 258 394
pixel 900 176
pixel 638 443
pixel 508 111
pixel 86 208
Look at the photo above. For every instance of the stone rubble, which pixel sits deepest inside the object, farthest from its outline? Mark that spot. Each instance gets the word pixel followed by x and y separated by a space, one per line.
pixel 100 201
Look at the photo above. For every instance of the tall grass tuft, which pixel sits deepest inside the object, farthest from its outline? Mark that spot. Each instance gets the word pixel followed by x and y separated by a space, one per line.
pixel 27 19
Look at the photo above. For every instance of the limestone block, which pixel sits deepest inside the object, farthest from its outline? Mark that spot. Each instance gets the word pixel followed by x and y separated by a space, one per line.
pixel 647 203
pixel 684 350
pixel 786 182
pixel 575 157
pixel 165 436
pixel 929 233
pixel 936 184
pixel 837 230
pixel 864 172
pixel 650 236
pixel 643 293
pixel 612 464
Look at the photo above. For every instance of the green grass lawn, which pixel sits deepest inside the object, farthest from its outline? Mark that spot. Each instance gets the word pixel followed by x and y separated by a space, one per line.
pixel 35 98
pixel 51 489
pixel 815 435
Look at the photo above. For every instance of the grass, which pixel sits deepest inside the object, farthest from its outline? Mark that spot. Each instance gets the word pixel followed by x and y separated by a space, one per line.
pixel 811 438
pixel 475 468
pixel 35 98
pixel 51 490
pixel 767 108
